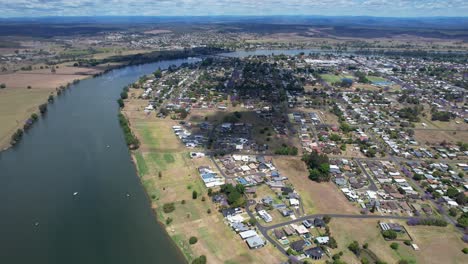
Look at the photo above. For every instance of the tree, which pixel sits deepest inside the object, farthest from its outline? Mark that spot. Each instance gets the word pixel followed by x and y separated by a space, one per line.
pixel 2 86
pixel 168 207
pixel 120 102
pixel 194 195
pixel 43 108
pixel 326 219
pixel 453 212
pixel 354 247
pixel 394 246
pixel 452 192
pixel 193 240
pixel 158 73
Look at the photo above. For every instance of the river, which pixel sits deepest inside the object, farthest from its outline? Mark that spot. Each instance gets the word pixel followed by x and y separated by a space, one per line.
pixel 79 147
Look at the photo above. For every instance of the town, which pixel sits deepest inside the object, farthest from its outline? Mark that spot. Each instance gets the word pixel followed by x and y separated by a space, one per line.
pixel 285 150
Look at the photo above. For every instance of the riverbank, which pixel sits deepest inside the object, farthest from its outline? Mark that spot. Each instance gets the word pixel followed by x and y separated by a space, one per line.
pixel 170 178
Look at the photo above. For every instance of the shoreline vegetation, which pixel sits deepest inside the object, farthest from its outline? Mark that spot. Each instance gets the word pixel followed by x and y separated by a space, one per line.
pixel 125 60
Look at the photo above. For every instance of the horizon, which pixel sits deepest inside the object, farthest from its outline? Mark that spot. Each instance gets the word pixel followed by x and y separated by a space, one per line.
pixel 236 8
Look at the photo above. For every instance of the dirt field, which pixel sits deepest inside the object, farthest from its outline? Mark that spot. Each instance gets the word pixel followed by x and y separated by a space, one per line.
pixel 161 152
pixel 437 244
pixel 317 197
pixel 16 105
pixel 436 137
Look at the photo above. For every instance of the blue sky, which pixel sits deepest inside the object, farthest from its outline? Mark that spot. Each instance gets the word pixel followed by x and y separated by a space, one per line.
pixel 392 8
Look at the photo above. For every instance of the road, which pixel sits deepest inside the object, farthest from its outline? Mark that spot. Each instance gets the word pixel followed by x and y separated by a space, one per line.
pixel 264 229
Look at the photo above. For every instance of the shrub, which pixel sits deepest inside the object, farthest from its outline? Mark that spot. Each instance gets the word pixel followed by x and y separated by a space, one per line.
pixel 2 86
pixel 194 195
pixel 168 221
pixel 407 242
pixel 34 116
pixel 465 250
pixel 182 202
pixel 208 211
pixel 354 247
pixel 193 240
pixel 200 260
pixel 121 103
pixel 17 136
pixel 203 198
pixel 389 234
pixel 43 108
pixel 394 246
pixel 168 208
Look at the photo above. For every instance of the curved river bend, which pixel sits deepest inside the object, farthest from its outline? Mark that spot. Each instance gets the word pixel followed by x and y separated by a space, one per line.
pixel 79 147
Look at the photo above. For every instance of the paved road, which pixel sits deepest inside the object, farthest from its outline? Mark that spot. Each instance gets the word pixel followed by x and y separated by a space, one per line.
pixel 372 185
pixel 264 229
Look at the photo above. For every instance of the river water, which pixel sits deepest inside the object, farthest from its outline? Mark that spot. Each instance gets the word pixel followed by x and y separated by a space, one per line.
pixel 78 146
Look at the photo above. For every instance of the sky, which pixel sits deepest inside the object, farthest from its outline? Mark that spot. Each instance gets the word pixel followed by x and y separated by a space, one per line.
pixel 382 8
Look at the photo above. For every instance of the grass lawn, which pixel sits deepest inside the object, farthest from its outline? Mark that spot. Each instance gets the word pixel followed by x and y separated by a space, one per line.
pixel 331 78
pixel 376 78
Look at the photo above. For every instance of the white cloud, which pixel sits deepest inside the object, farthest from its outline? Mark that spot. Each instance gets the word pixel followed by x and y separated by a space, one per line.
pixel 234 7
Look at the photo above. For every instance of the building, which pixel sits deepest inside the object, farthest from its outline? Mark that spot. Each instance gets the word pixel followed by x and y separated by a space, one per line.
pixel 315 253
pixel 255 242
pixel 298 245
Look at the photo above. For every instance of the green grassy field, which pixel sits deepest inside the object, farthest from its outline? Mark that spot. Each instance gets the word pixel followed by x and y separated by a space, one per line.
pixel 332 78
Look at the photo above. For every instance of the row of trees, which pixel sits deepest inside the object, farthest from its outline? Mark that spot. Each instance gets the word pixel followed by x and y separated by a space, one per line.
pixel 130 138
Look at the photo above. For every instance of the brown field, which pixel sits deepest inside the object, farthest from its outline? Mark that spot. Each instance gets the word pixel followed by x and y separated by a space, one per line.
pixel 436 137
pixel 162 152
pixel 22 80
pixel 16 105
pixel 316 197
pixel 437 244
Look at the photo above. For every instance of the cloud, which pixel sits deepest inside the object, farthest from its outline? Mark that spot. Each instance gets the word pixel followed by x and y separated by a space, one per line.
pixel 234 7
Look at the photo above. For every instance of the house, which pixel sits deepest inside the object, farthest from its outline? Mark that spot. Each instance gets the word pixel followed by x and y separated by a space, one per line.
pixel 239 227
pixel 265 216
pixel 255 242
pixel 247 234
pixel 279 234
pixel 322 240
pixel 318 222
pixel 267 200
pixel 307 224
pixel 289 231
pixel 298 245
pixel 300 229
pixel 294 202
pixel 229 212
pixel 315 253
